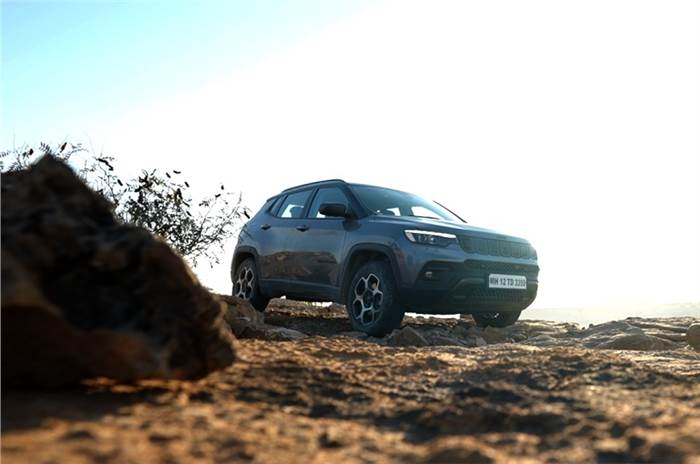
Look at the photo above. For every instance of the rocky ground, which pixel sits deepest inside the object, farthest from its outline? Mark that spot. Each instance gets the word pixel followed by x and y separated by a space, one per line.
pixel 307 389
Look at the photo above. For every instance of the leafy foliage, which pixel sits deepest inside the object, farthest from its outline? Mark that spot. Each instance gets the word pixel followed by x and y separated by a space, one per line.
pixel 159 201
pixel 22 158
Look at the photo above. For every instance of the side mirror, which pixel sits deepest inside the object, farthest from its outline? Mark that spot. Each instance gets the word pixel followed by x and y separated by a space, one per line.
pixel 334 210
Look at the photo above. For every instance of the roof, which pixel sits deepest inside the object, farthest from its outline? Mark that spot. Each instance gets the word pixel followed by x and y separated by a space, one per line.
pixel 318 182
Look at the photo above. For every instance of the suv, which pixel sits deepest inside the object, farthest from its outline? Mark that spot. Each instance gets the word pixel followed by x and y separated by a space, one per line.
pixel 380 252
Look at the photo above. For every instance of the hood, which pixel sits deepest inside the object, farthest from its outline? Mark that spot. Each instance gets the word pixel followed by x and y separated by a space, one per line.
pixel 436 225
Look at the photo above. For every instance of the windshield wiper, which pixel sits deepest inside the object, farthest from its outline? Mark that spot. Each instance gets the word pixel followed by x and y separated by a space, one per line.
pixel 448 209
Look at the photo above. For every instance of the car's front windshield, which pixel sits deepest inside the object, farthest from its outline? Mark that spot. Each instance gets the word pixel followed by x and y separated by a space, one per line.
pixel 394 203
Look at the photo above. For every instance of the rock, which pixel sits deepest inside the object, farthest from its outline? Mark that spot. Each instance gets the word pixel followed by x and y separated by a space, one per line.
pixel 407 336
pixel 272 333
pixel 551 328
pixel 641 342
pixel 613 326
pixel 461 331
pixel 84 296
pixel 241 315
pixel 247 322
pixel 494 335
pixel 542 340
pixel 670 336
pixel 692 336
pixel 665 327
pixel 282 334
pixel 460 449
pixel 443 340
pixel 336 309
pixel 596 335
pixel 353 334
pixel 473 341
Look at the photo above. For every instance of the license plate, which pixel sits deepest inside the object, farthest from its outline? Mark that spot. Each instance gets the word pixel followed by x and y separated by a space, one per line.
pixel 507 281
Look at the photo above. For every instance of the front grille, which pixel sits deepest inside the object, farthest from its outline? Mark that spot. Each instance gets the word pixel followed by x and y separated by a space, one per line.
pixel 495 247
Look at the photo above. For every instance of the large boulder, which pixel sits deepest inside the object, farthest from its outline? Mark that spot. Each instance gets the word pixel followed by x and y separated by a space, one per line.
pixel 84 296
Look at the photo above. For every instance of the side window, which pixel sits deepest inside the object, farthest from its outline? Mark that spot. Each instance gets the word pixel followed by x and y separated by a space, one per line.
pixel 275 205
pixel 421 211
pixel 327 195
pixel 293 205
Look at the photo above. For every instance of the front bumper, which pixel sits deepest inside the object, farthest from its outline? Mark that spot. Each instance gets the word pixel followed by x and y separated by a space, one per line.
pixel 463 287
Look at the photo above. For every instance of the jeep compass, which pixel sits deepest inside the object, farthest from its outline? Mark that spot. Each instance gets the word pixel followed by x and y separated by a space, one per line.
pixel 380 252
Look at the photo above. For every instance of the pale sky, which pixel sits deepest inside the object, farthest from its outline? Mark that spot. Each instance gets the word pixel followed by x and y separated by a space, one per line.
pixel 572 124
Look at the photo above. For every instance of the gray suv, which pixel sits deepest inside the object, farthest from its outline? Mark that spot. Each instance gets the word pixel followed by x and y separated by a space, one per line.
pixel 380 252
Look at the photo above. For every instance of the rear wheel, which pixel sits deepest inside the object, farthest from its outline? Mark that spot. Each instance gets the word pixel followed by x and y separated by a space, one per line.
pixel 245 285
pixel 496 319
pixel 372 301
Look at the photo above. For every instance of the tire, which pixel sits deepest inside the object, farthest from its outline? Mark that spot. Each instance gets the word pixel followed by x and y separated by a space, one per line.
pixel 495 319
pixel 372 300
pixel 246 286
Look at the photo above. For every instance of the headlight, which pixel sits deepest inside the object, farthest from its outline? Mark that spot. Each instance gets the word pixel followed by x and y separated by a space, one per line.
pixel 427 237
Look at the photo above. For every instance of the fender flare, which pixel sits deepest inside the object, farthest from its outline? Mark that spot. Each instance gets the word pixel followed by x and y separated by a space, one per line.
pixel 248 250
pixel 368 247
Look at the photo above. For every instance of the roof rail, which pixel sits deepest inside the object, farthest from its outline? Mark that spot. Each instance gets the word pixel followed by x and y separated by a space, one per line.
pixel 313 183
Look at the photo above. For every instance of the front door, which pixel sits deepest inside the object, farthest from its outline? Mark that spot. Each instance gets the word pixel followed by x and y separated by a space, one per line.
pixel 281 232
pixel 320 245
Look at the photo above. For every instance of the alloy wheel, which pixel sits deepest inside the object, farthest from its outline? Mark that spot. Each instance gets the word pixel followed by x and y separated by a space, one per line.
pixel 243 288
pixel 366 306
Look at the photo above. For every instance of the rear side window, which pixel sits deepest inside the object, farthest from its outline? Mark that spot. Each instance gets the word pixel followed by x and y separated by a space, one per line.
pixel 293 205
pixel 275 205
pixel 327 195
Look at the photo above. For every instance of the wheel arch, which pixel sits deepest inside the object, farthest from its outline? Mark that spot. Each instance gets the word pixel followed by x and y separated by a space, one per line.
pixel 240 255
pixel 361 254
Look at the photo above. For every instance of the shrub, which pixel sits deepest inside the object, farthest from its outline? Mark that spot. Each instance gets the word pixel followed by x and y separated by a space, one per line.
pixel 158 200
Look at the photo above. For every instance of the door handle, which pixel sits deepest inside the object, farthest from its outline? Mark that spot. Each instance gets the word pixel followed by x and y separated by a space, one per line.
pixel 303 228
pixel 265 226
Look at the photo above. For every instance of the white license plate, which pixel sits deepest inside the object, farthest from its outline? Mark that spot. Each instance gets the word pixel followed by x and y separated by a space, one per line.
pixel 507 281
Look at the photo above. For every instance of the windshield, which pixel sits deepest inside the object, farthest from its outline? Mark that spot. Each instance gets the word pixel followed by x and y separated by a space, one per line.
pixel 394 203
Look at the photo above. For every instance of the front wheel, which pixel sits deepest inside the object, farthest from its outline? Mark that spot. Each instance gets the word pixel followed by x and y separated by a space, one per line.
pixel 246 285
pixel 502 319
pixel 372 300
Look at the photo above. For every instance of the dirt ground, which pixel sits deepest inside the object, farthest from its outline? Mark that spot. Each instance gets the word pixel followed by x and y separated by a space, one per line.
pixel 537 392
